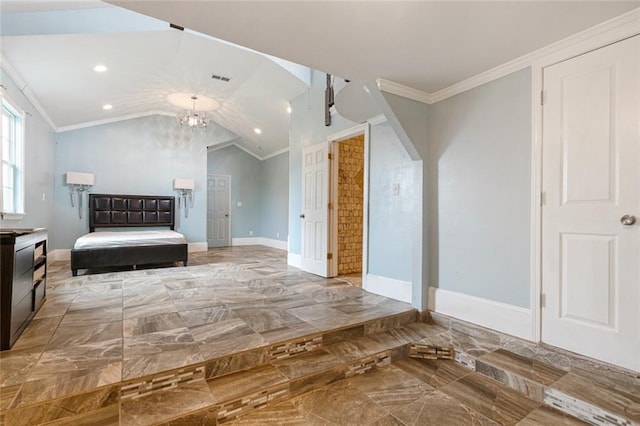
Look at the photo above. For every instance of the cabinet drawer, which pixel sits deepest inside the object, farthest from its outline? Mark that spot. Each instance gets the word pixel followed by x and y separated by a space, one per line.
pixel 38 252
pixel 39 273
pixel 21 287
pixel 20 313
pixel 38 295
pixel 23 261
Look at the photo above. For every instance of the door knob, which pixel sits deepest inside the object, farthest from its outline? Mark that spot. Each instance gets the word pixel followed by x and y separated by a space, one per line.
pixel 302 216
pixel 628 220
pixel 226 215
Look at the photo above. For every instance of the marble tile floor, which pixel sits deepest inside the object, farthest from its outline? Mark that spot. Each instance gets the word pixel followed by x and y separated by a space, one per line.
pixel 99 330
pixel 595 392
pixel 410 392
pixel 488 385
pixel 354 278
pixel 218 392
pixel 148 346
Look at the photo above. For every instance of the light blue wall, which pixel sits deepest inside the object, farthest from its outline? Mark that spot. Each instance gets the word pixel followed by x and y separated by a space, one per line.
pixel 480 182
pixel 261 187
pixel 476 154
pixel 410 121
pixel 306 128
pixel 138 156
pixel 246 180
pixel 274 223
pixel 39 166
pixel 391 216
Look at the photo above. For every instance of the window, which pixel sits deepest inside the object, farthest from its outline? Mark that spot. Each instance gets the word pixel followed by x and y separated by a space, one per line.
pixel 12 178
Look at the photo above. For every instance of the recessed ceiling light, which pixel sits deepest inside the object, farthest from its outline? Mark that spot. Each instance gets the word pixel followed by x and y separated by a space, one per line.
pixel 100 68
pixel 107 107
pixel 258 131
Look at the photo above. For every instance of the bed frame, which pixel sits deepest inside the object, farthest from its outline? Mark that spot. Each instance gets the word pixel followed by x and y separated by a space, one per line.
pixel 129 211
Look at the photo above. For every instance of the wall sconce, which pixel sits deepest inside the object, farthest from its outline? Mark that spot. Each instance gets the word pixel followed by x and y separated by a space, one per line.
pixel 184 187
pixel 79 183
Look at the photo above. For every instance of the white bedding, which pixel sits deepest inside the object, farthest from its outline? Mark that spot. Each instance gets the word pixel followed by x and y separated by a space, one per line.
pixel 128 238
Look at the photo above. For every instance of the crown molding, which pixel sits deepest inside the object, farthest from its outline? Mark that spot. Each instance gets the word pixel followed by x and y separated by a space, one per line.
pixel 25 90
pixel 227 144
pixel 220 145
pixel 615 29
pixel 380 118
pixel 113 120
pixel 276 153
pixel 404 91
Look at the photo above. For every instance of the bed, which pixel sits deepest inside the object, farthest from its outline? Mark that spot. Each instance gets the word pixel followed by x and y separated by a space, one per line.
pixel 140 247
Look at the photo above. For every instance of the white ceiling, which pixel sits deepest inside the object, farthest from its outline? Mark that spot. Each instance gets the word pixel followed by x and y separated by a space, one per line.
pixel 425 45
pixel 145 68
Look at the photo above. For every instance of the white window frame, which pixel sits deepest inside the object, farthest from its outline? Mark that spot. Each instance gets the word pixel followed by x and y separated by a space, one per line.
pixel 18 162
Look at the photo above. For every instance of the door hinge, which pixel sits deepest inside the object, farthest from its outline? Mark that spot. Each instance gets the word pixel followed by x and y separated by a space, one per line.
pixel 329 256
pixel 542 97
pixel 330 156
pixel 330 206
pixel 543 300
pixel 543 199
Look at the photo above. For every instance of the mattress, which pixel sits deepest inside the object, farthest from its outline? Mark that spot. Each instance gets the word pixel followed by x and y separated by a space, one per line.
pixel 128 239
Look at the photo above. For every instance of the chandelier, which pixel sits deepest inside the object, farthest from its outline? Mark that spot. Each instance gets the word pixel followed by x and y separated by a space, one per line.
pixel 194 118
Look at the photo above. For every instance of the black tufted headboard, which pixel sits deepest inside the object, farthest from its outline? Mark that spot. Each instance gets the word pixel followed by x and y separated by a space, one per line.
pixel 115 211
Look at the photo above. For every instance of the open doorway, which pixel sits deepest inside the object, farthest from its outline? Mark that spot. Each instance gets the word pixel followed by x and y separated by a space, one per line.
pixel 347 207
pixel 349 158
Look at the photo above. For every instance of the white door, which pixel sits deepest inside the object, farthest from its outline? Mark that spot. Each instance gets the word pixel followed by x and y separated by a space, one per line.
pixel 315 181
pixel 218 198
pixel 591 180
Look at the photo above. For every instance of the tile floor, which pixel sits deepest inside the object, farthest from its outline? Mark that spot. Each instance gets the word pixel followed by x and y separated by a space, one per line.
pixel 98 331
pixel 411 392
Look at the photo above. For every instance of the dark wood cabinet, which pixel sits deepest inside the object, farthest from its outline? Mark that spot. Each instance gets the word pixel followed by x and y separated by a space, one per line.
pixel 23 271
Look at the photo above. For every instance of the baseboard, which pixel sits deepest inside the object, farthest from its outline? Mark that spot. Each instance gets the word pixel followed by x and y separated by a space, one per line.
pixel 259 241
pixel 508 319
pixel 294 259
pixel 196 247
pixel 246 241
pixel 59 255
pixel 388 287
pixel 277 244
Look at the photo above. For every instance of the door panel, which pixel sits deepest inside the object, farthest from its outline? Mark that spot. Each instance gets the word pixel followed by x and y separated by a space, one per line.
pixel 588 148
pixel 314 209
pixel 591 178
pixel 218 221
pixel 588 284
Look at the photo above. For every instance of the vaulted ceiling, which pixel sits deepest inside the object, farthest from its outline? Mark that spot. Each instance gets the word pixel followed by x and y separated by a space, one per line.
pixel 424 45
pixel 53 53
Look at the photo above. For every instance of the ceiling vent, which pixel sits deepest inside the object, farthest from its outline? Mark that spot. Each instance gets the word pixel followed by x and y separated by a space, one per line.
pixel 221 78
